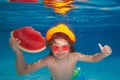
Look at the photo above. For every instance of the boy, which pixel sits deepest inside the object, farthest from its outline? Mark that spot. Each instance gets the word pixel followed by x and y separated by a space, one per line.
pixel 62 59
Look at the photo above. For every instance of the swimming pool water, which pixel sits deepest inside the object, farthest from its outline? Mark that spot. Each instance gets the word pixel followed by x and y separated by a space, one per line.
pixel 92 24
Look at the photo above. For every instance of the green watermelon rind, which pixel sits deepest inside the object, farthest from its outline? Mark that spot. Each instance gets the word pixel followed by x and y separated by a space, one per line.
pixel 27 50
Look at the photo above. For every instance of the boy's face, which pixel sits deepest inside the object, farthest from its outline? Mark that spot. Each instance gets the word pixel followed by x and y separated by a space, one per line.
pixel 60 49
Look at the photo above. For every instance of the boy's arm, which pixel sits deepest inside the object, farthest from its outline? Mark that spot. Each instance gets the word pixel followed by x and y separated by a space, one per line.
pixel 21 66
pixel 105 51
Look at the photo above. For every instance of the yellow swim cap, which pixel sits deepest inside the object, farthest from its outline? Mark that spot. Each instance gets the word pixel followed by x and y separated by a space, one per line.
pixel 60 28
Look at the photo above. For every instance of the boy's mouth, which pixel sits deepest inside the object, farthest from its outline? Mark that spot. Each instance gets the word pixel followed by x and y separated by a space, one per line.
pixel 60 54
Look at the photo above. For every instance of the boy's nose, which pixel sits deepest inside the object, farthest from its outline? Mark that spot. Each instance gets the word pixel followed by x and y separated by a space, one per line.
pixel 60 49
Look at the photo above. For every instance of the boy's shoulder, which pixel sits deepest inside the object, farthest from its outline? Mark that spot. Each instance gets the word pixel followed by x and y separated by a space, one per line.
pixel 48 58
pixel 76 55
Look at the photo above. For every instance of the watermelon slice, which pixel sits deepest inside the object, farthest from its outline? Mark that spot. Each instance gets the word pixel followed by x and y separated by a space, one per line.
pixel 30 40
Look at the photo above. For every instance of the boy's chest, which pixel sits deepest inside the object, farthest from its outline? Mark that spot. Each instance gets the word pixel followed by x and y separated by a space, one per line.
pixel 62 67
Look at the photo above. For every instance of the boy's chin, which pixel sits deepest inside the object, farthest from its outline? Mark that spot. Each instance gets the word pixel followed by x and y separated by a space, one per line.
pixel 61 58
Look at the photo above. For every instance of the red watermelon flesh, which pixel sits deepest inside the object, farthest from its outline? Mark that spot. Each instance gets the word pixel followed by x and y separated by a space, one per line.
pixel 30 39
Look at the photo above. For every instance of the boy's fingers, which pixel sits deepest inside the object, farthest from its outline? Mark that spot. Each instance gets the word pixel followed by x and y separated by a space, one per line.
pixel 16 39
pixel 19 42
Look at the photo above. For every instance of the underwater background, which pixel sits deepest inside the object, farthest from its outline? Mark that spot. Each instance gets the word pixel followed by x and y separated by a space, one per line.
pixel 96 21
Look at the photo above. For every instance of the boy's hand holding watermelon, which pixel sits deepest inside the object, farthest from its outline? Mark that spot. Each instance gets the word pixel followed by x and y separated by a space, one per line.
pixel 13 43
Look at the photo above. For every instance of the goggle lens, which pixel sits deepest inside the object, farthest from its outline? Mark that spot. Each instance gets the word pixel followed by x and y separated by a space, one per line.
pixel 56 48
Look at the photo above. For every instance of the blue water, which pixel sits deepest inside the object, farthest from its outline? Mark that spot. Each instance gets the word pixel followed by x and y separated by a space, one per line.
pixel 94 22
